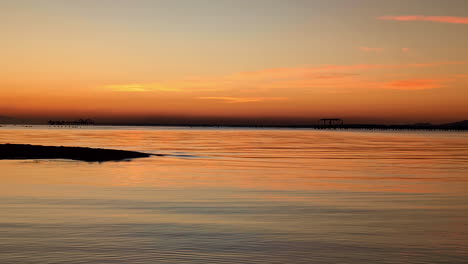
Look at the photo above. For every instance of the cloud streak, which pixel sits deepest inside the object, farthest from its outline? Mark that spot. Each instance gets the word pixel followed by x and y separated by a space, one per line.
pixel 263 85
pixel 140 88
pixel 171 86
pixel 128 88
pixel 439 19
pixel 230 99
pixel 416 84
pixel 326 70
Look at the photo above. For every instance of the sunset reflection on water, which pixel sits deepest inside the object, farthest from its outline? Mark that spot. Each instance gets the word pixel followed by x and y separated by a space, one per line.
pixel 238 196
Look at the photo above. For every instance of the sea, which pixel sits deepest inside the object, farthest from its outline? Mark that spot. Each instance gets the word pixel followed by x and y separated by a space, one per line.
pixel 237 195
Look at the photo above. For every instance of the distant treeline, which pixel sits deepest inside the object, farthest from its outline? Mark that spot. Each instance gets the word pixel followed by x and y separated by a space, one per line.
pixel 79 122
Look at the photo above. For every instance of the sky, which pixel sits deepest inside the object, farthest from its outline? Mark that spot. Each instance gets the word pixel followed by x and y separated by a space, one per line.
pixel 134 60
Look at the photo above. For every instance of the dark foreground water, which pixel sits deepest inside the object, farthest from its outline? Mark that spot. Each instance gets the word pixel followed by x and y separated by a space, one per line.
pixel 238 196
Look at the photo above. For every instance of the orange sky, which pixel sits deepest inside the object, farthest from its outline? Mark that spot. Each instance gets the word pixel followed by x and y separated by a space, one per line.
pixel 360 60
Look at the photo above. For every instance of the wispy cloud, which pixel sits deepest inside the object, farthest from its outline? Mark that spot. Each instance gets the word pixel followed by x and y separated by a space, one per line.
pixel 140 88
pixel 405 50
pixel 343 77
pixel 416 84
pixel 369 49
pixel 440 19
pixel 314 71
pixel 186 85
pixel 258 86
pixel 128 88
pixel 230 99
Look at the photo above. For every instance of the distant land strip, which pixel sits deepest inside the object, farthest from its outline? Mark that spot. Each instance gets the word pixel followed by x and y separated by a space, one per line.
pixel 262 123
pixel 22 151
pixel 460 126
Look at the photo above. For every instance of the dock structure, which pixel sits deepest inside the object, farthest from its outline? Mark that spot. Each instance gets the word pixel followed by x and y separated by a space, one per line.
pixel 330 123
pixel 75 123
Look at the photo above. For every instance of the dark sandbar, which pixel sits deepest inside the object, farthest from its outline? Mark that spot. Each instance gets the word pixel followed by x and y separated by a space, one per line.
pixel 20 151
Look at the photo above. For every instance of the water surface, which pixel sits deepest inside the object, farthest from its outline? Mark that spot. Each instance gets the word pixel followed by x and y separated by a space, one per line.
pixel 238 196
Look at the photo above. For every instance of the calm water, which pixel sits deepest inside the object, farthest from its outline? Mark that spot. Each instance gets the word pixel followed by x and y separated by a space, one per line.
pixel 238 196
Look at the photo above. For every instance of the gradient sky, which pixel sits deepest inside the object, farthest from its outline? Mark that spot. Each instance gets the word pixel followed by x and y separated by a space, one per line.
pixel 362 60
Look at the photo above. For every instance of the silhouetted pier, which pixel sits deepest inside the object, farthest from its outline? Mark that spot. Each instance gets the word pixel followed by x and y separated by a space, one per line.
pixel 330 123
pixel 76 123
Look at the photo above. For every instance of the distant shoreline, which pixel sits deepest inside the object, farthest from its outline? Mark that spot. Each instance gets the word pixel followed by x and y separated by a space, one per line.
pixel 343 127
pixel 461 125
pixel 24 151
pixel 458 126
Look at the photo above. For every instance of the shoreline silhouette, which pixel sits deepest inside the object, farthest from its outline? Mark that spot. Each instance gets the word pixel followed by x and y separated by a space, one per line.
pixel 337 124
pixel 24 151
pixel 330 123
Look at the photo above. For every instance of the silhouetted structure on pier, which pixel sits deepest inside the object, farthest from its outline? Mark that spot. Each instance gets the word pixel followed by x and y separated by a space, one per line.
pixel 80 122
pixel 330 123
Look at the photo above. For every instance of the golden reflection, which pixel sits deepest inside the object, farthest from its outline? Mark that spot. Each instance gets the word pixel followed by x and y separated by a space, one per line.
pixel 252 159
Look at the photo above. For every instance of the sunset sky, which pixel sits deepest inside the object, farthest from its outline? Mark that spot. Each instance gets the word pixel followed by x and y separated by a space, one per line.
pixel 362 60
